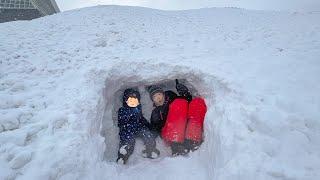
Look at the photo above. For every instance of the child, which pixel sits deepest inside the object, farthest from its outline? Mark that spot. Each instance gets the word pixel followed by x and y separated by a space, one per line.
pixel 133 125
pixel 178 118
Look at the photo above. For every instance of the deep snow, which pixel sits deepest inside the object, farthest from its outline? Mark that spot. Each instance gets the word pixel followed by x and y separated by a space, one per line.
pixel 259 72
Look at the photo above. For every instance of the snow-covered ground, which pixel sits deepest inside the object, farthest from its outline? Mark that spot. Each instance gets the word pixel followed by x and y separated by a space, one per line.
pixel 259 72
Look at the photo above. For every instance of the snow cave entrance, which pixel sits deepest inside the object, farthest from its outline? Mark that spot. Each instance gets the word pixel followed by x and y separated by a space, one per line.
pixel 113 93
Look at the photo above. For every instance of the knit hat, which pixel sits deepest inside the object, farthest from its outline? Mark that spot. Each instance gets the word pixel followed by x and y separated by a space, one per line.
pixel 130 93
pixel 154 89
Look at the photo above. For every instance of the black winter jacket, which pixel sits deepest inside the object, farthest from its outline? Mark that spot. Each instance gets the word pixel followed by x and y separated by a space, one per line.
pixel 159 113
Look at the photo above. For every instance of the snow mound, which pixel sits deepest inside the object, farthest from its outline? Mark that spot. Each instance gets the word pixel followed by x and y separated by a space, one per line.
pixel 259 72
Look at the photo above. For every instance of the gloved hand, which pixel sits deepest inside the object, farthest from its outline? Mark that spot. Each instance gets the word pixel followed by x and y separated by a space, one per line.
pixel 182 89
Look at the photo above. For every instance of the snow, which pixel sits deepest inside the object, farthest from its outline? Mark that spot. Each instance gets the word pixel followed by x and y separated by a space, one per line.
pixel 259 71
pixel 9 121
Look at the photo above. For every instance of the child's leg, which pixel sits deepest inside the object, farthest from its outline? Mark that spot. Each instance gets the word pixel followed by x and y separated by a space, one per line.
pixel 173 131
pixel 149 140
pixel 174 128
pixel 125 150
pixel 194 129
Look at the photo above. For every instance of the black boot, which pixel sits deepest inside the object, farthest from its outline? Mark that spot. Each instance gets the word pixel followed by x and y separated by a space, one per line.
pixel 179 149
pixel 151 153
pixel 192 145
pixel 122 159
pixel 124 153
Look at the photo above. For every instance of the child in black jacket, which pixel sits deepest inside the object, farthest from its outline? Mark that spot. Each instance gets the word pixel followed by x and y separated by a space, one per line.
pixel 180 135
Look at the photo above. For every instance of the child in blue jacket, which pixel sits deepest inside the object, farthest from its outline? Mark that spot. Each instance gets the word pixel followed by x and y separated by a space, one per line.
pixel 133 125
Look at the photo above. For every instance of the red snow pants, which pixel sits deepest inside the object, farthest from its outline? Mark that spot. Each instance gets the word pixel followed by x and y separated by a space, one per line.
pixel 184 120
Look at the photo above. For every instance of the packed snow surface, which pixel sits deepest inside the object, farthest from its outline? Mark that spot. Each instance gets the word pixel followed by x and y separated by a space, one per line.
pixel 259 71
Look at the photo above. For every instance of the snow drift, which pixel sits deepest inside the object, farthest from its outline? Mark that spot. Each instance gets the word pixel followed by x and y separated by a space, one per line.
pixel 258 71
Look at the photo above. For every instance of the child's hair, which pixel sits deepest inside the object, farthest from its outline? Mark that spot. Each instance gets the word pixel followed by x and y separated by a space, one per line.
pixel 130 93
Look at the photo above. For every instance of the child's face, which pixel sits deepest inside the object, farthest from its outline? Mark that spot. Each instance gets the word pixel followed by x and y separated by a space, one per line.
pixel 158 99
pixel 132 102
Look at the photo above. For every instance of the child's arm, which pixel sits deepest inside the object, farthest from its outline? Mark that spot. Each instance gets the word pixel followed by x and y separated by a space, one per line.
pixel 183 91
pixel 142 119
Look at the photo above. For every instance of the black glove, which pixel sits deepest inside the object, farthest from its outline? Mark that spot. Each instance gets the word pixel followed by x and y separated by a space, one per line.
pixel 183 90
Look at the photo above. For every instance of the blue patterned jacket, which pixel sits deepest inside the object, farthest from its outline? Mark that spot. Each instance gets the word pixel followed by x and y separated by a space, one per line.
pixel 131 122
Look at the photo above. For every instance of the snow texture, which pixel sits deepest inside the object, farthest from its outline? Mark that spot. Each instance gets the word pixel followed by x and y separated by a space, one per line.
pixel 61 77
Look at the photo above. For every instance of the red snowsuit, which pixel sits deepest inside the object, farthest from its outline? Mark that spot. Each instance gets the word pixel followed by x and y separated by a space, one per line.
pixel 184 120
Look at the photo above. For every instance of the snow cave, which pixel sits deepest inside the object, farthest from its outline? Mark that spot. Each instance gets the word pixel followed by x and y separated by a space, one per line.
pixel 113 92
